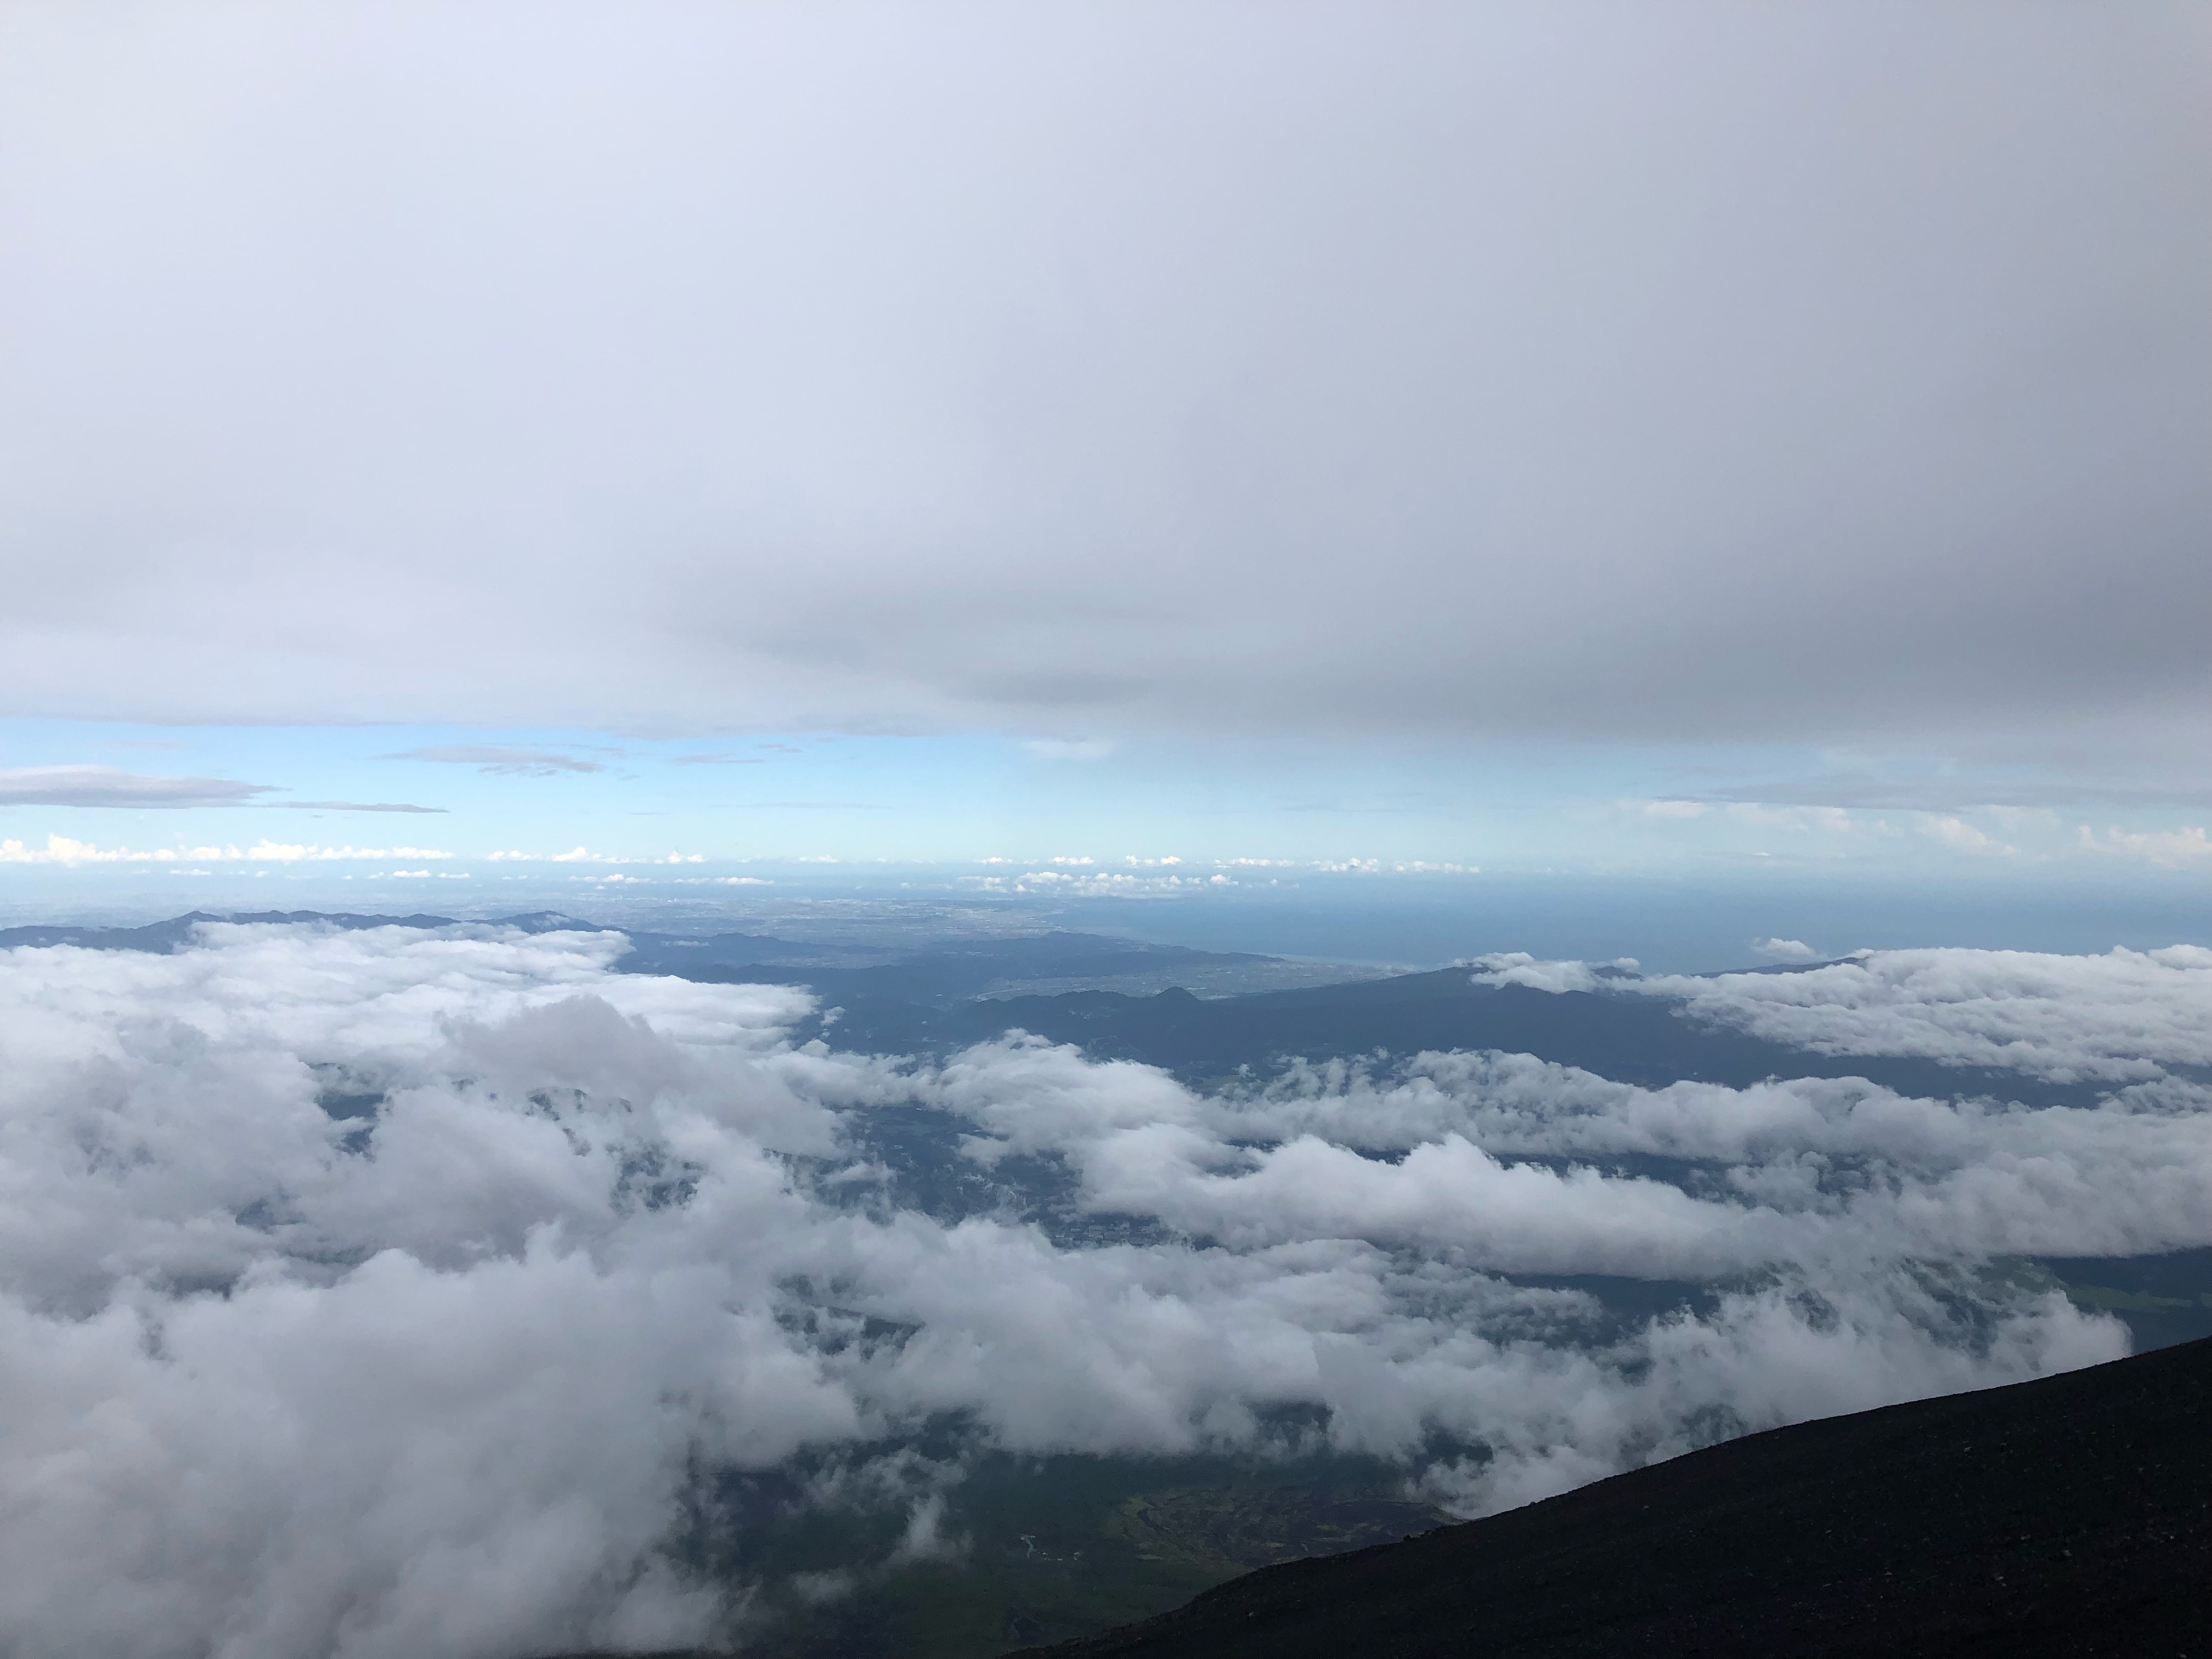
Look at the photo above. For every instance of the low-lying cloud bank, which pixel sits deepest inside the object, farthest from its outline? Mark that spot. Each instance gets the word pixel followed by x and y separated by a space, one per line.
pixel 2127 1016
pixel 383 1293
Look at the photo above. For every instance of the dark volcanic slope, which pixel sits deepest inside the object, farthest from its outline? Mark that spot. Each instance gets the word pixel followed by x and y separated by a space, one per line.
pixel 2071 1516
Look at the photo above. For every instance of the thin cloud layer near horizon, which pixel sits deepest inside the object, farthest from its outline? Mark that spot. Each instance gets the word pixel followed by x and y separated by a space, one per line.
pixel 1699 375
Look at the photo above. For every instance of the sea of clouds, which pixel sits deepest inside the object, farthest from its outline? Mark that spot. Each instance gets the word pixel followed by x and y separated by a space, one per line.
pixel 383 1293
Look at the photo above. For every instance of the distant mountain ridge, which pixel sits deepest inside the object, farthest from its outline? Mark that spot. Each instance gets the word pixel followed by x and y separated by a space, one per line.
pixel 1631 1037
pixel 935 974
pixel 1121 998
pixel 176 933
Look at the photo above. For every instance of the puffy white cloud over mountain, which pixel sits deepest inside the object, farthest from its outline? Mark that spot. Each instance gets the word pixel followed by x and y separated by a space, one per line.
pixel 2123 1017
pixel 380 1293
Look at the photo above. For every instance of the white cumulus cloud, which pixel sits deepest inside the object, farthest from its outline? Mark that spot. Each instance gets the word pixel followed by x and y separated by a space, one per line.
pixel 64 850
pixel 380 1293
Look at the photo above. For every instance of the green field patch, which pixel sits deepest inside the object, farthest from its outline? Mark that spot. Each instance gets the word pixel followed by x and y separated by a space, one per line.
pixel 1042 1549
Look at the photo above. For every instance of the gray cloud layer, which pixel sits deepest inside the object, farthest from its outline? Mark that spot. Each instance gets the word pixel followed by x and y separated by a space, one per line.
pixel 355 806
pixel 269 1389
pixel 1952 794
pixel 1818 372
pixel 109 786
pixel 502 763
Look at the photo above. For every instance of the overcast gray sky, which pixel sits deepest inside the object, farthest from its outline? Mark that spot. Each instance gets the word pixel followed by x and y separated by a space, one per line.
pixel 1832 374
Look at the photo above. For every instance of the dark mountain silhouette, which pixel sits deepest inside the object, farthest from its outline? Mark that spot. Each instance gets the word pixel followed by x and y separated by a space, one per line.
pixel 2070 1516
